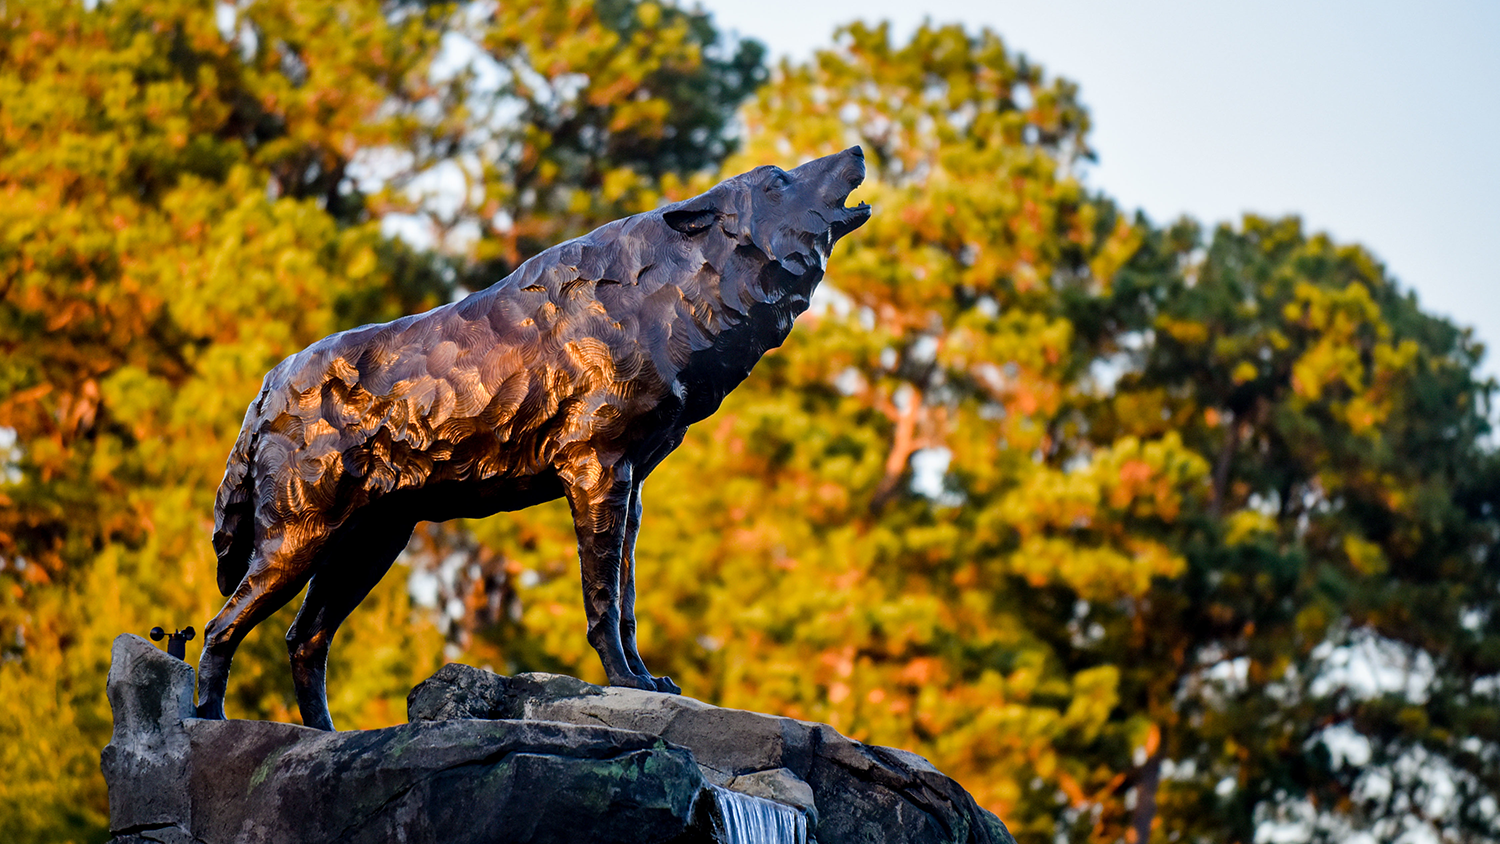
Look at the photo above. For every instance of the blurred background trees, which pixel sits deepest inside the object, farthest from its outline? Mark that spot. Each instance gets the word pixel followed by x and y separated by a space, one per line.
pixel 1138 531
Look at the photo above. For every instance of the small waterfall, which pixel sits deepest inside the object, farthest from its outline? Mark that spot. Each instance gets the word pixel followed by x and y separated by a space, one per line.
pixel 743 819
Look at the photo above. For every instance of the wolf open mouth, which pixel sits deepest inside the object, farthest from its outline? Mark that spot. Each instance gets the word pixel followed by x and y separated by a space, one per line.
pixel 849 219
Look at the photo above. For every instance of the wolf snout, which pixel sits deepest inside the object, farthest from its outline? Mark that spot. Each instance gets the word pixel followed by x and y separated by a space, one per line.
pixel 844 171
pixel 854 168
pixel 856 171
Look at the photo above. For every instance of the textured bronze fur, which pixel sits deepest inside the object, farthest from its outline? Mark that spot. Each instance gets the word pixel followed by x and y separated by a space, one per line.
pixel 572 377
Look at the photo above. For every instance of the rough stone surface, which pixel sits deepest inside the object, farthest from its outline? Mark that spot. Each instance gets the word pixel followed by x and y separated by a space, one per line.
pixel 148 754
pixel 862 793
pixel 439 781
pixel 533 758
pixel 459 691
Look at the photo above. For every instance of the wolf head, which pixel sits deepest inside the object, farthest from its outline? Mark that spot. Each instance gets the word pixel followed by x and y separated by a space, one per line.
pixel 792 216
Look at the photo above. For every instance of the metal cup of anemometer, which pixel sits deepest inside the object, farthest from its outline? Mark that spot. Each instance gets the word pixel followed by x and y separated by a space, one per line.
pixel 176 642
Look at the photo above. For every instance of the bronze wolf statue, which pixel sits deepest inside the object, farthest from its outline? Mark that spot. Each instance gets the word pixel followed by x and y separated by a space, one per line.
pixel 572 377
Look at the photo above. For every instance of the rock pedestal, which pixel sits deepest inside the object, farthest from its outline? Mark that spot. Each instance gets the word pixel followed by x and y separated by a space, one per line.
pixel 151 695
pixel 486 758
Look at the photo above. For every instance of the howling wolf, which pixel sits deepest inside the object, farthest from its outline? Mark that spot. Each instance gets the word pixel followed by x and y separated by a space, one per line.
pixel 572 377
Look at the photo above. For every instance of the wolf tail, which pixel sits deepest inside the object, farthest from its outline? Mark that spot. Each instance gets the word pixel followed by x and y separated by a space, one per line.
pixel 234 506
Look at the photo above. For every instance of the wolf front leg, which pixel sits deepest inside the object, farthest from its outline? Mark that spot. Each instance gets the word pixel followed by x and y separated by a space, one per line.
pixel 356 558
pixel 600 494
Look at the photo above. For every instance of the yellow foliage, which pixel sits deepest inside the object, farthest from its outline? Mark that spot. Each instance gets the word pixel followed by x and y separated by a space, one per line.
pixel 1365 557
pixel 1184 331
pixel 1095 695
pixel 1247 526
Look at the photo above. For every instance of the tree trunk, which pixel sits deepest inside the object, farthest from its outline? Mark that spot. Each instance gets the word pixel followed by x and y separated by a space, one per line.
pixel 1221 467
pixel 902 448
pixel 1145 798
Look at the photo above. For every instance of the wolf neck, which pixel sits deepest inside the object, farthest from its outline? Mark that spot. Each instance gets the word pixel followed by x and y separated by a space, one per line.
pixel 752 313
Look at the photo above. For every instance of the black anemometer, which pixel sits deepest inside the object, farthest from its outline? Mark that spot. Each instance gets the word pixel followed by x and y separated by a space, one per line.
pixel 176 642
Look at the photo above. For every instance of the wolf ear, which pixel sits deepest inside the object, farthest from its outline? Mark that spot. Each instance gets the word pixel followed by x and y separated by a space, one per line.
pixel 692 219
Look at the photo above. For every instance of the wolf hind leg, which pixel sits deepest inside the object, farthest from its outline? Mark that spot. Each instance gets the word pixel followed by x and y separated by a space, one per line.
pixel 627 596
pixel 270 581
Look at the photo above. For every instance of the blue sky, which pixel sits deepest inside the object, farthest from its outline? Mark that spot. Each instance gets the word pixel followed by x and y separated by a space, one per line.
pixel 1374 121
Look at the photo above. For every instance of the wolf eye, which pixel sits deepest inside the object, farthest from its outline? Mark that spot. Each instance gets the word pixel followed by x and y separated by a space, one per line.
pixel 778 182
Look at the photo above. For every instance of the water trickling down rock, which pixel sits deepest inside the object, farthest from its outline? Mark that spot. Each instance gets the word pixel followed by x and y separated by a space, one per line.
pixel 743 819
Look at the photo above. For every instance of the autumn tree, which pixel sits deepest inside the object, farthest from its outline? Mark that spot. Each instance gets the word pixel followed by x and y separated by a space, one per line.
pixel 1348 516
pixel 167 236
